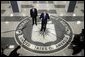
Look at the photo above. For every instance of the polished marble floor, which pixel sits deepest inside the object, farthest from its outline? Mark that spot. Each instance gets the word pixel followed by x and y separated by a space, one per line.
pixel 10 20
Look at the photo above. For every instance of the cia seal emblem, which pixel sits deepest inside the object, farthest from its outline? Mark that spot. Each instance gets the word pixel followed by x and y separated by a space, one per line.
pixel 57 36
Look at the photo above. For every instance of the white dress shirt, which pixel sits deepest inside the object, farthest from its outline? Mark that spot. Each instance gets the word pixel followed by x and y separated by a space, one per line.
pixel 44 15
pixel 33 9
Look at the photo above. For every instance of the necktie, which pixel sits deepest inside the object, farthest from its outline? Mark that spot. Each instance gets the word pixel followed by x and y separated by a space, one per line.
pixel 44 15
pixel 33 10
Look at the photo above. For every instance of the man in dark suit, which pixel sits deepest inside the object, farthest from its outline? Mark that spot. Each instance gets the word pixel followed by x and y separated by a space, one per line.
pixel 33 14
pixel 78 43
pixel 44 16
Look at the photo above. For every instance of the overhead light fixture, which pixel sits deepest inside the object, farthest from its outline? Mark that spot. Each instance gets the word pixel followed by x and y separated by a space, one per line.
pixel 78 22
pixel 11 14
pixel 74 14
pixel 6 22
pixel 11 46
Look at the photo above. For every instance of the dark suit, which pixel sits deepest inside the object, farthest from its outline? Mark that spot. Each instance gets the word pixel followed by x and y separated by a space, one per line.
pixel 79 43
pixel 44 20
pixel 14 52
pixel 33 14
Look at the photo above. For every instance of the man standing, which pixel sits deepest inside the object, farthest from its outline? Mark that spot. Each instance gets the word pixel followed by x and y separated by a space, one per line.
pixel 44 16
pixel 33 14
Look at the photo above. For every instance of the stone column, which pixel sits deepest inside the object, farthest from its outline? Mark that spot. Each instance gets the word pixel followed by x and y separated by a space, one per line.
pixel 70 6
pixel 16 6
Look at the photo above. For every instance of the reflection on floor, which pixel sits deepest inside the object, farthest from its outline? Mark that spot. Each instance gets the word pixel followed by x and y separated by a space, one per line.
pixel 55 8
pixel 39 37
pixel 65 52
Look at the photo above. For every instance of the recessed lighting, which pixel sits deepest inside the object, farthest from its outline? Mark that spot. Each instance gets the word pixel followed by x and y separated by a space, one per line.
pixel 74 14
pixel 78 22
pixel 61 14
pixel 11 46
pixel 6 22
pixel 11 14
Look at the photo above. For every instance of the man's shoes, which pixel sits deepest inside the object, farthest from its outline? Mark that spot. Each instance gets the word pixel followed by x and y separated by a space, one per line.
pixel 41 30
pixel 44 30
pixel 36 24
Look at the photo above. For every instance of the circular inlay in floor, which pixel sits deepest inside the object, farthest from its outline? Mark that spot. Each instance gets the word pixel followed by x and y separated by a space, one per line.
pixel 57 36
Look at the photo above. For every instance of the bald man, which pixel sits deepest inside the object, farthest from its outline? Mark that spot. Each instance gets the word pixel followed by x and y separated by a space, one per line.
pixel 44 16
